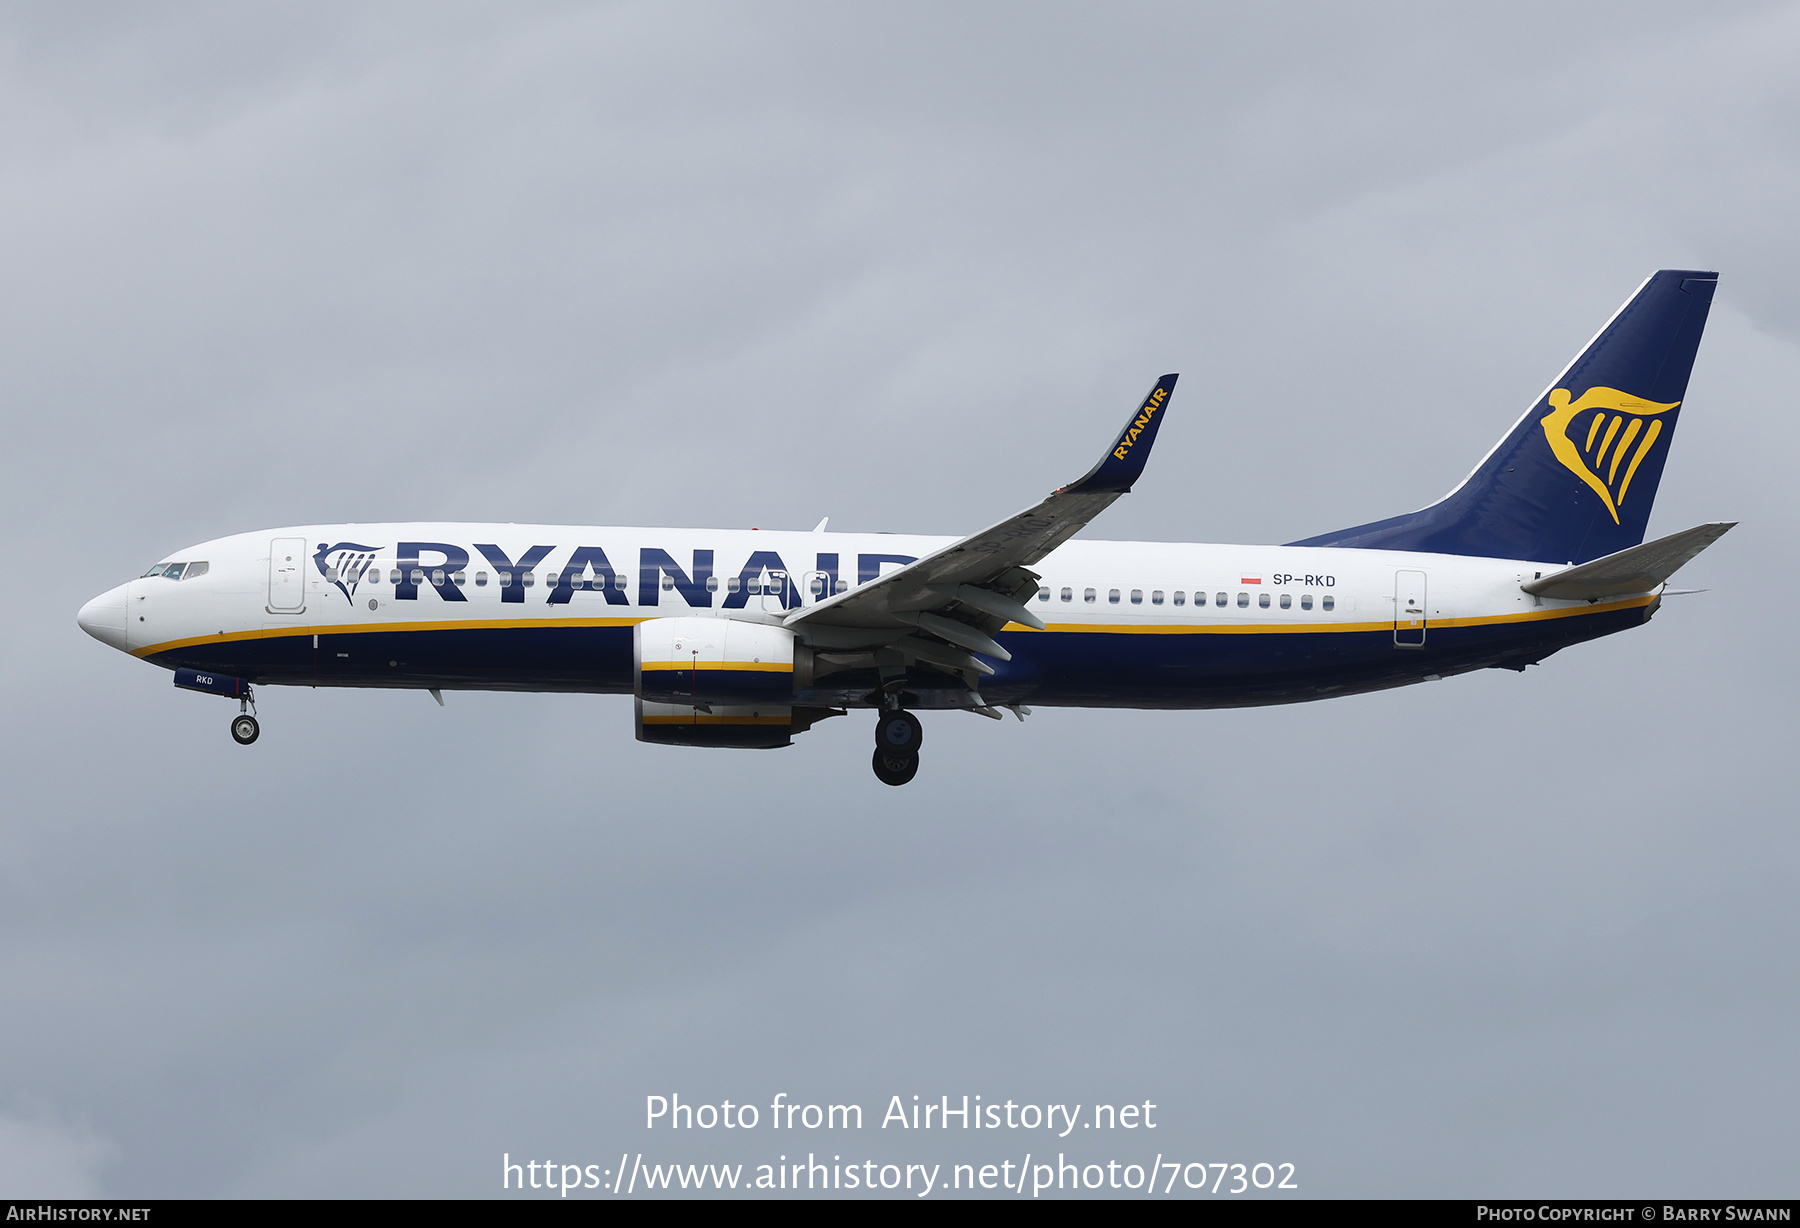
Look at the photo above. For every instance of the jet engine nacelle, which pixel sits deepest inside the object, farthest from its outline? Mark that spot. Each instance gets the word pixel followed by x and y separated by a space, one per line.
pixel 718 682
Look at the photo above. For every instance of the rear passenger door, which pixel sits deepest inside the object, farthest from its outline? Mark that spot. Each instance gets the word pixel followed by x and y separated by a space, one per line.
pixel 1409 609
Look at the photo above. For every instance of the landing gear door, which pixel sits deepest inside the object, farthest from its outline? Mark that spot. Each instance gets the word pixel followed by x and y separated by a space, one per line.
pixel 287 580
pixel 1409 609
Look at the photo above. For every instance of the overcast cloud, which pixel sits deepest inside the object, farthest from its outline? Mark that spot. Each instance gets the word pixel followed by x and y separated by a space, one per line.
pixel 906 266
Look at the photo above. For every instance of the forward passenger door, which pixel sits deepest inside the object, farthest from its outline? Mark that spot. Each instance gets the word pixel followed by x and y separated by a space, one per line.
pixel 287 577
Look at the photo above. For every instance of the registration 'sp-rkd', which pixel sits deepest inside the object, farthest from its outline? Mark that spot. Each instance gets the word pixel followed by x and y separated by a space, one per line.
pixel 744 638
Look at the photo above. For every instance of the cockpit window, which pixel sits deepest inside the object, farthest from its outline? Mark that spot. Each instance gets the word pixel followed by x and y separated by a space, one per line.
pixel 173 571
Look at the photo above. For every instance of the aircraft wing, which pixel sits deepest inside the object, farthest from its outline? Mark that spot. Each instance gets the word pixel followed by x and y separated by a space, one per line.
pixel 1636 569
pixel 963 594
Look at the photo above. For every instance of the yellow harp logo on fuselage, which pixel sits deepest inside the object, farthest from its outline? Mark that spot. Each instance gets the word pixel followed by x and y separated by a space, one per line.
pixel 1615 421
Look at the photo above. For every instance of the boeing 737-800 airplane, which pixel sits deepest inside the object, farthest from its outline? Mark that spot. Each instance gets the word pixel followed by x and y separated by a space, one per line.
pixel 744 638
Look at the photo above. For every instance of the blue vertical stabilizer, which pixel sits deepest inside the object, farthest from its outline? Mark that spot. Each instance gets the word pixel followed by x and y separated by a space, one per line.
pixel 1575 477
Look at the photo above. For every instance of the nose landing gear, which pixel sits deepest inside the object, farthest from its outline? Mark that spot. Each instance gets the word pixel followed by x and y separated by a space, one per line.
pixel 244 729
pixel 897 737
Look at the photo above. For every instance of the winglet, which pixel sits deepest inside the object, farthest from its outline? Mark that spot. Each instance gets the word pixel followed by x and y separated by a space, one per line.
pixel 1124 462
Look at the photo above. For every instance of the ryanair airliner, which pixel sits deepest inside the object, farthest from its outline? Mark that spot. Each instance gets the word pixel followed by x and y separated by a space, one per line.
pixel 744 638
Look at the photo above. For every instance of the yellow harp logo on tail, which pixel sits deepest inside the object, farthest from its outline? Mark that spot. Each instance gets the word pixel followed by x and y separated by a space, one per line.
pixel 1615 441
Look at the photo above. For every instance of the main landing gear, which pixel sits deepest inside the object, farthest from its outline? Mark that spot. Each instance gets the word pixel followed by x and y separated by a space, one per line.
pixel 897 737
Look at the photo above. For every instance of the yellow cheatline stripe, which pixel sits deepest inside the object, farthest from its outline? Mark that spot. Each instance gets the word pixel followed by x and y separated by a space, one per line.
pixel 701 718
pixel 477 624
pixel 1532 616
pixel 1268 628
pixel 777 667
pixel 1271 628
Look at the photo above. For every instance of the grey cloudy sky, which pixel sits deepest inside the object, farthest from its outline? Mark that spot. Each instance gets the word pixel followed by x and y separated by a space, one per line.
pixel 733 265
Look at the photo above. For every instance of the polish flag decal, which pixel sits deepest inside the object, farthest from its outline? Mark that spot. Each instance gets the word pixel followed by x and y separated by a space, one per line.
pixel 1251 580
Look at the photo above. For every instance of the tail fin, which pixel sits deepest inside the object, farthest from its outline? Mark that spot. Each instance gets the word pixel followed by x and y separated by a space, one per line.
pixel 1574 478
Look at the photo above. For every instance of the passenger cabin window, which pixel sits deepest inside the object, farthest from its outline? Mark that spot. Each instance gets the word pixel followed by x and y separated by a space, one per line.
pixel 1043 594
pixel 1180 597
pixel 418 575
pixel 527 578
pixel 1262 600
pixel 1287 601
pixel 1137 596
pixel 1306 601
pixel 712 584
pixel 437 576
pixel 1156 596
pixel 669 582
pixel 843 586
pixel 618 584
pixel 506 579
pixel 481 579
pixel 1087 595
pixel 1220 600
pixel 1068 594
pixel 1327 602
pixel 1243 600
pixel 1112 596
pixel 731 584
pixel 394 576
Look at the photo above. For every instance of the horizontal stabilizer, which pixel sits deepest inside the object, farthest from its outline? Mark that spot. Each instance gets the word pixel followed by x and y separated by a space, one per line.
pixel 1638 569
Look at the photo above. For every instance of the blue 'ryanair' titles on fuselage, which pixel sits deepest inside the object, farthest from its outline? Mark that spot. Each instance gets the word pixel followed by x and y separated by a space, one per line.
pixel 443 567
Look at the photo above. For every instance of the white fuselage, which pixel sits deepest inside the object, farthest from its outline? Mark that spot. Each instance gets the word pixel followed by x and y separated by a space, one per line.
pixel 1229 624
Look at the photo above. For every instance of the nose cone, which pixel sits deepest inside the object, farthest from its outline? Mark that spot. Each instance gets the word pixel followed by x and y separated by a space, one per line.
pixel 104 618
